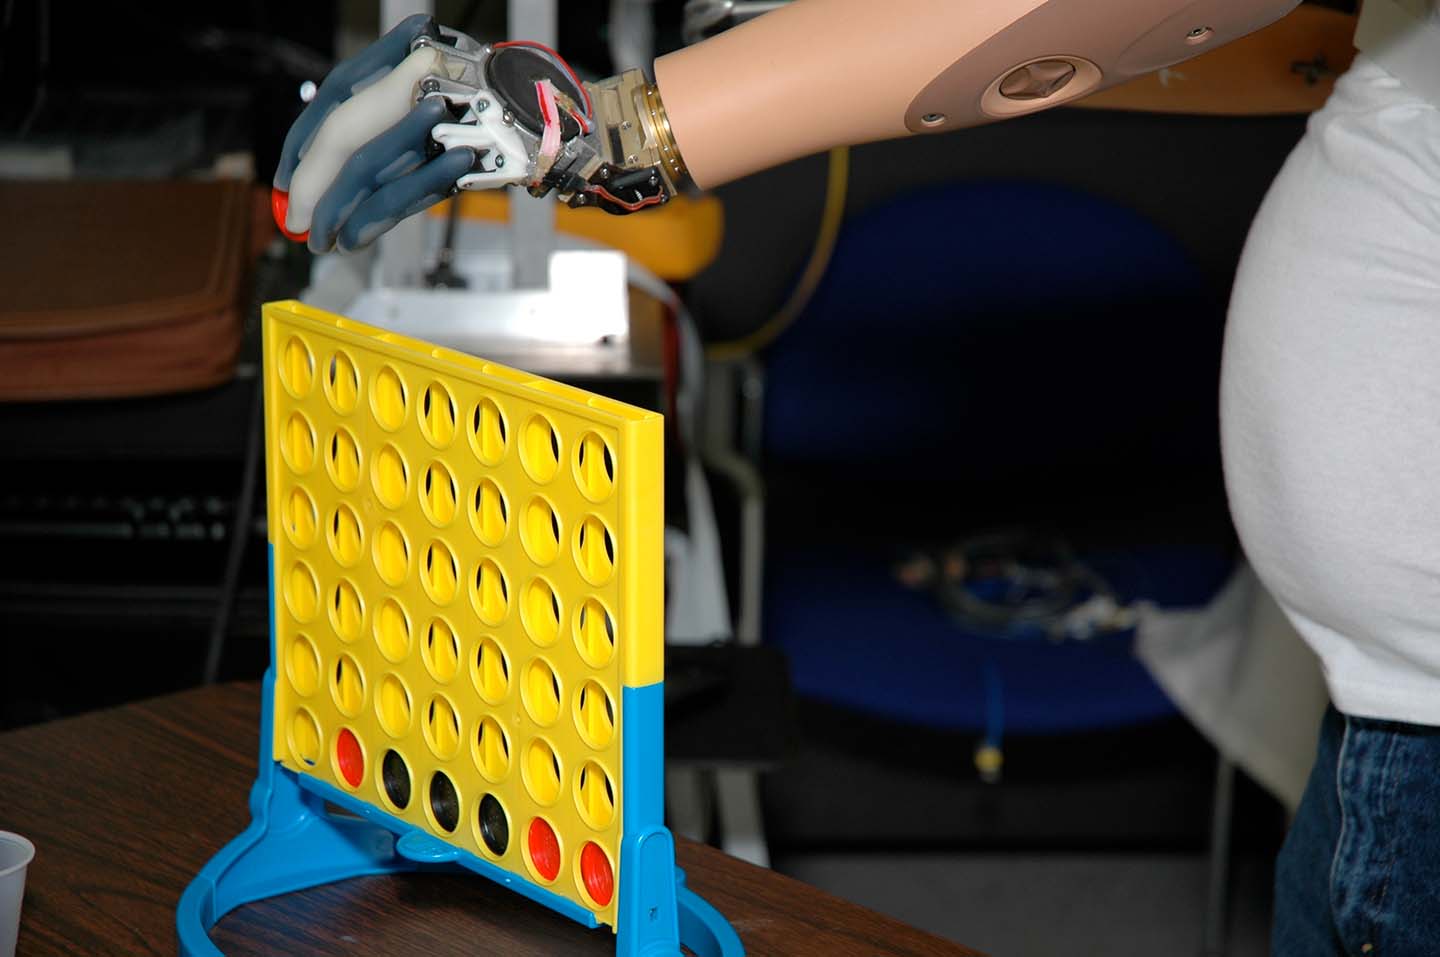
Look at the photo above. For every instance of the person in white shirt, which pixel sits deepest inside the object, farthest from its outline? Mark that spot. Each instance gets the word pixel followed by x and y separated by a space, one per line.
pixel 1330 402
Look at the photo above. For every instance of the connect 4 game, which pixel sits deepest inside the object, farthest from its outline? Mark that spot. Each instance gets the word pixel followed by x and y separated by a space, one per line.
pixel 467 647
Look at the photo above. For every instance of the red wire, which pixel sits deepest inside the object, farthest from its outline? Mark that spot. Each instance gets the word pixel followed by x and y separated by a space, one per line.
pixel 630 207
pixel 574 77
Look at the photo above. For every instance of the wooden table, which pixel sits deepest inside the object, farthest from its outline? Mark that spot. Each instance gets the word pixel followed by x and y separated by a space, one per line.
pixel 125 806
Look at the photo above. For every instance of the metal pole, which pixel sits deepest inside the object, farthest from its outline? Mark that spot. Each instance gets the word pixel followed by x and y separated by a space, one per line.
pixel 1217 894
pixel 532 221
pixel 402 249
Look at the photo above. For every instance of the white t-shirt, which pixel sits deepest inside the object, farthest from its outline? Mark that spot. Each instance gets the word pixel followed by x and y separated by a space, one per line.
pixel 1330 397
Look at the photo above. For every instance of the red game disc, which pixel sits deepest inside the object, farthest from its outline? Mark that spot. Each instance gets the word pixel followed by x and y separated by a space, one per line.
pixel 279 209
pixel 349 758
pixel 544 849
pixel 596 873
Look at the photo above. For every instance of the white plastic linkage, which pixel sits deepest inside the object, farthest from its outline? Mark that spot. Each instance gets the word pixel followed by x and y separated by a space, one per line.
pixel 484 128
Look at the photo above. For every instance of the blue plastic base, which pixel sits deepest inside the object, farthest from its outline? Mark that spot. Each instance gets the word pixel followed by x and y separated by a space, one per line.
pixel 293 843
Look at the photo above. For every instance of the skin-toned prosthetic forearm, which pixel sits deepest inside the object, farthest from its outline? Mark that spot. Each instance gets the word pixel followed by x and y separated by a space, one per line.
pixel 822 73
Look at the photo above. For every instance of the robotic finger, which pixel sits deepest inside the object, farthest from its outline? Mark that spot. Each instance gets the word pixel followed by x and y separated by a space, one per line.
pixel 360 99
pixel 394 175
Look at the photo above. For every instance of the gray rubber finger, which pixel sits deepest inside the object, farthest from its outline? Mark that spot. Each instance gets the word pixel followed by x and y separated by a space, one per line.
pixel 358 71
pixel 404 197
pixel 392 154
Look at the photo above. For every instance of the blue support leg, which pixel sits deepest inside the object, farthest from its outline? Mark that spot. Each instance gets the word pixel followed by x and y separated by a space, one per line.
pixel 703 928
pixel 291 844
pixel 648 922
pixel 658 912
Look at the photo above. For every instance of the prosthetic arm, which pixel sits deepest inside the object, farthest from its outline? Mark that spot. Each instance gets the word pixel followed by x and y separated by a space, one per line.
pixel 426 110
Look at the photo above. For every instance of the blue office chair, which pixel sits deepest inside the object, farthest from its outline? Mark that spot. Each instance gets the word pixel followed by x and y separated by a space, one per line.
pixel 981 355
pixel 969 345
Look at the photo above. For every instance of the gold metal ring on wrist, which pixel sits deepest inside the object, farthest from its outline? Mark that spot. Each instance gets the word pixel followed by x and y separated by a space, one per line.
pixel 664 136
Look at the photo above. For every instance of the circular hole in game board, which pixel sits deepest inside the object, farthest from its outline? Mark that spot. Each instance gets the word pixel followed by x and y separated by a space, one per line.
pixel 300 518
pixel 541 612
pixel 596 874
pixel 349 758
pixel 437 415
pixel 438 494
pixel 594 550
pixel 444 802
pixel 595 633
pixel 302 592
pixel 395 778
pixel 440 573
pixel 387 399
pixel 302 666
pixel 344 536
pixel 491 672
pixel 489 514
pixel 494 825
pixel 540 449
pixel 297 368
pixel 392 706
pixel 342 383
pixel 347 613
pixel 541 692
pixel 441 650
pixel 594 467
pixel 489 434
pixel 304 738
pixel 297 443
pixel 390 477
pixel 392 554
pixel 491 593
pixel 540 531
pixel 541 772
pixel 542 849
pixel 342 460
pixel 442 727
pixel 491 750
pixel 392 630
pixel 347 686
pixel 595 796
pixel 595 714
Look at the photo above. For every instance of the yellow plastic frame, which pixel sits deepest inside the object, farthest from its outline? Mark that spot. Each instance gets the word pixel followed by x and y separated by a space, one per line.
pixel 425 505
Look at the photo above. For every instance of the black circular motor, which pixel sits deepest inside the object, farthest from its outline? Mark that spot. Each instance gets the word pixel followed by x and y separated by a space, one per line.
pixel 512 73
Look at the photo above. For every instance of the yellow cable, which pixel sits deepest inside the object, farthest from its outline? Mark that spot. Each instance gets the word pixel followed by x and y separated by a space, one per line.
pixel 829 231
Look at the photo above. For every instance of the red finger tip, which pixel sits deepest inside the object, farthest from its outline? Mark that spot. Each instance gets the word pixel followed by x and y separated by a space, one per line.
pixel 279 209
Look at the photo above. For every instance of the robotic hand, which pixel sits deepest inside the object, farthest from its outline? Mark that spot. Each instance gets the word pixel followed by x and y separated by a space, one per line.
pixel 426 110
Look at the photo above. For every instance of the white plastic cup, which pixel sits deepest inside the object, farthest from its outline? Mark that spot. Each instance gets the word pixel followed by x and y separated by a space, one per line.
pixel 16 853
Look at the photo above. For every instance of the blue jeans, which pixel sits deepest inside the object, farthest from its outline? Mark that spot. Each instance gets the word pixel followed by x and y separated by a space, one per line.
pixel 1359 874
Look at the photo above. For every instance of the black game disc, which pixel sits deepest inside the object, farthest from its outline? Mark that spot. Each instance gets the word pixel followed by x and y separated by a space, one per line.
pixel 512 73
pixel 396 777
pixel 444 802
pixel 494 828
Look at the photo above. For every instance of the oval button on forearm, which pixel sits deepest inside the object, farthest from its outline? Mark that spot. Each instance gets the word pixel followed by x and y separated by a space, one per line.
pixel 1036 81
